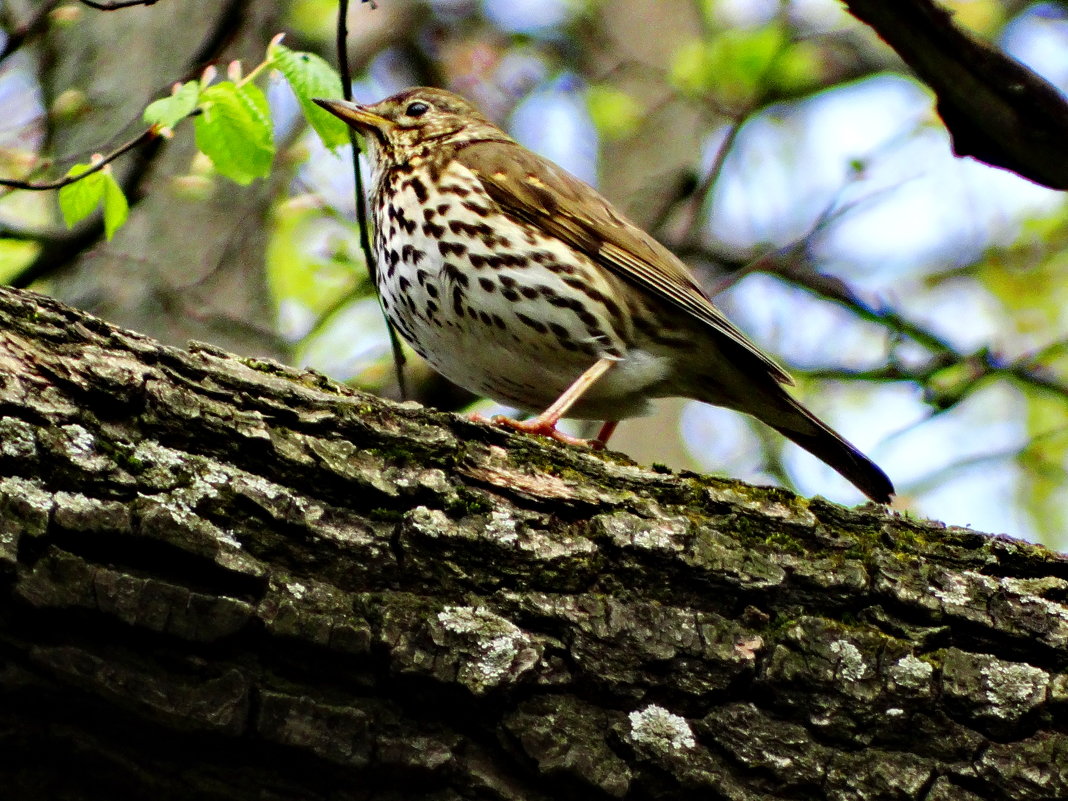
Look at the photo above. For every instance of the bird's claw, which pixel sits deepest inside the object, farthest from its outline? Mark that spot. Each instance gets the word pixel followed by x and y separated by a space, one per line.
pixel 538 426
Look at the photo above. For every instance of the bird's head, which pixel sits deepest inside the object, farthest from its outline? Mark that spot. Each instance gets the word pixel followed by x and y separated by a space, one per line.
pixel 410 125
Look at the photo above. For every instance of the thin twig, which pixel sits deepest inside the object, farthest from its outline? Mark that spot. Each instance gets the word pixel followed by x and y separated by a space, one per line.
pixel 361 203
pixel 115 5
pixel 700 195
pixel 37 23
pixel 141 138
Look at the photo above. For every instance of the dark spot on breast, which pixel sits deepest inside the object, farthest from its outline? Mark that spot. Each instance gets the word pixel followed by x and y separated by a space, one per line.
pixel 404 284
pixel 537 325
pixel 454 274
pixel 510 294
pixel 419 188
pixel 458 301
pixel 560 330
pixel 486 284
pixel 485 318
pixel 428 214
pixel 588 319
pixel 432 290
pixel 477 260
pixel 481 211
pixel 433 230
pixel 442 208
pixel 529 292
pixel 445 248
pixel 507 281
pixel 498 321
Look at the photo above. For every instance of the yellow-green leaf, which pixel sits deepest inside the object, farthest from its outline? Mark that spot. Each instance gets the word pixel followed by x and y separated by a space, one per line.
pixel 169 111
pixel 116 209
pixel 615 113
pixel 79 199
pixel 310 76
pixel 234 130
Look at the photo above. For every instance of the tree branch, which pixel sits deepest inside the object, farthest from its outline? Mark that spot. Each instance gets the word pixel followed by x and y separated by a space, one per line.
pixel 114 5
pixel 224 578
pixel 995 108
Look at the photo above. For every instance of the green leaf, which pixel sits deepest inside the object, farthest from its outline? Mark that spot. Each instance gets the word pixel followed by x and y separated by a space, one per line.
pixel 616 114
pixel 80 199
pixel 739 63
pixel 169 111
pixel 310 76
pixel 234 130
pixel 116 209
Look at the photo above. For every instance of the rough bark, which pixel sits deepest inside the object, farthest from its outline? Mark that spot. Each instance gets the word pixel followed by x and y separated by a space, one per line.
pixel 221 578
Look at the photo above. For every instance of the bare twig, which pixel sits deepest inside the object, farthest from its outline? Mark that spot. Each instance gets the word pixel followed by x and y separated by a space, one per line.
pixel 114 5
pixel 700 195
pixel 37 23
pixel 140 139
pixel 361 203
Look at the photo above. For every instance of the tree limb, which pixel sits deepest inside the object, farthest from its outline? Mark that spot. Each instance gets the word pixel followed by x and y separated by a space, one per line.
pixel 224 578
pixel 995 108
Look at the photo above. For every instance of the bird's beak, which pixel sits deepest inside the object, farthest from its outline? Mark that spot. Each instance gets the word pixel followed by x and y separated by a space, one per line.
pixel 354 114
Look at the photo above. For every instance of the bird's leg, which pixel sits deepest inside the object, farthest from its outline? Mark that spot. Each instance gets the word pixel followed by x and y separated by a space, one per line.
pixel 600 442
pixel 545 423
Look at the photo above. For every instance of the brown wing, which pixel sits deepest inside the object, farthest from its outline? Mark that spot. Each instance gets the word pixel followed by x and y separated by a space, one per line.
pixel 536 191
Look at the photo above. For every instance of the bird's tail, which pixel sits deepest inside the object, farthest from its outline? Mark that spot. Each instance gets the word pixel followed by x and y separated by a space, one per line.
pixel 769 402
pixel 825 444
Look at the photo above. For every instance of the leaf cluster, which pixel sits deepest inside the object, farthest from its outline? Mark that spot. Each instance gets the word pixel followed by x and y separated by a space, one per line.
pixel 232 124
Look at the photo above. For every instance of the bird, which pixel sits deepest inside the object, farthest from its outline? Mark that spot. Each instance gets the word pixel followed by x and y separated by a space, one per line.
pixel 521 283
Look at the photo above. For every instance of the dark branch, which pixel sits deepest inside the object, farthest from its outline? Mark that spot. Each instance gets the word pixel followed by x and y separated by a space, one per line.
pixel 996 109
pixel 56 255
pixel 114 5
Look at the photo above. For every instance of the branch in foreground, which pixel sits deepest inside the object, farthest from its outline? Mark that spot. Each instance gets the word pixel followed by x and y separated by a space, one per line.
pixel 224 578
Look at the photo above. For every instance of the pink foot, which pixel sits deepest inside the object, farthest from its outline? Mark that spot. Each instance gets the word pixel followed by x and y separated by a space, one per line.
pixel 536 425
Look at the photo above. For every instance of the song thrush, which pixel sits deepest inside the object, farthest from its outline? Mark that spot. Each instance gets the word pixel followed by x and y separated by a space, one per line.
pixel 521 283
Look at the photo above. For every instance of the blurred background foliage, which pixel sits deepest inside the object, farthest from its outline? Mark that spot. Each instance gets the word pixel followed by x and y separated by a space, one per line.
pixel 778 146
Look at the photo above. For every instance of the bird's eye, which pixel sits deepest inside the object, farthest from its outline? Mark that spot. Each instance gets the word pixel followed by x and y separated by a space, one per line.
pixel 417 109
